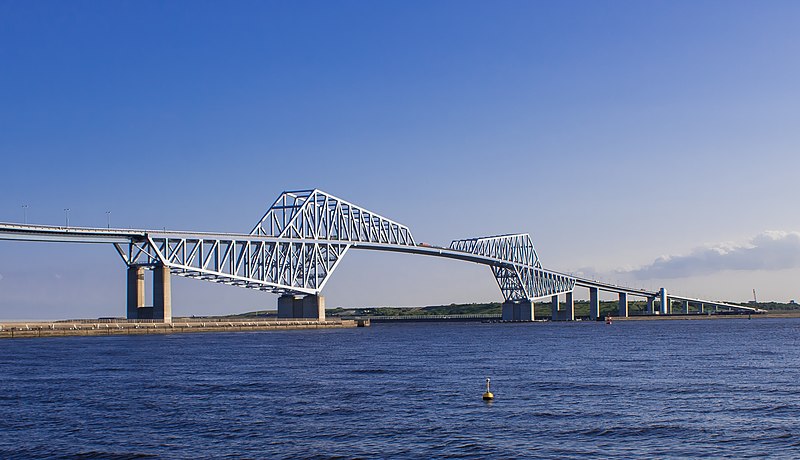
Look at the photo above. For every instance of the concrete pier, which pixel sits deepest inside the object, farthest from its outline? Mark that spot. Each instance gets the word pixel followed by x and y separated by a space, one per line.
pixel 314 307
pixel 162 294
pixel 623 304
pixel 650 302
pixel 520 310
pixel 135 291
pixel 554 305
pixel 665 307
pixel 286 306
pixel 306 307
pixel 570 308
pixel 685 307
pixel 594 303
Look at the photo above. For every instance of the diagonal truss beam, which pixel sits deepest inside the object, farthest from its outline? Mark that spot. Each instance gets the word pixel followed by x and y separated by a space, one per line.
pixel 524 277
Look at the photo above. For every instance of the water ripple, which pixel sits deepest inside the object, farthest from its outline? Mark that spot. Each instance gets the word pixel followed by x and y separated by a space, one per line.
pixel 672 389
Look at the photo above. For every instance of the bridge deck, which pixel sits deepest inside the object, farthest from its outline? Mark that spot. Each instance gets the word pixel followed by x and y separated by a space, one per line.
pixel 22 232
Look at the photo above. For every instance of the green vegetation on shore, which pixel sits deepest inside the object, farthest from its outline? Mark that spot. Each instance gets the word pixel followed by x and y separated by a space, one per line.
pixel 493 308
pixel 542 310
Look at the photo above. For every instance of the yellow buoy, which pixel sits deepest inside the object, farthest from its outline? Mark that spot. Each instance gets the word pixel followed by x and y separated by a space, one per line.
pixel 488 396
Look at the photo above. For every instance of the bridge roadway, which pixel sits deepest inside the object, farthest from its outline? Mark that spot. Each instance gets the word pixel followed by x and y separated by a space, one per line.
pixel 149 238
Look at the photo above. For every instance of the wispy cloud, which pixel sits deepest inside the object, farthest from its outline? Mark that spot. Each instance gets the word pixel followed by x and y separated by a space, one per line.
pixel 771 250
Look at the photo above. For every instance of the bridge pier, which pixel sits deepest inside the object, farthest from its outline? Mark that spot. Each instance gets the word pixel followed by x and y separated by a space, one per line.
pixel 685 307
pixel 520 310
pixel 594 303
pixel 623 304
pixel 554 304
pixel 570 313
pixel 162 294
pixel 135 290
pixel 306 307
pixel 650 302
pixel 665 309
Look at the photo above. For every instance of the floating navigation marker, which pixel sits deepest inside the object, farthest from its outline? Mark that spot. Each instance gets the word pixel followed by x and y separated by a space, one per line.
pixel 488 396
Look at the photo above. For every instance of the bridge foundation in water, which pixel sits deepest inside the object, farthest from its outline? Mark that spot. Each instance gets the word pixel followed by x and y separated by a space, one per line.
pixel 623 305
pixel 306 307
pixel 570 316
pixel 162 294
pixel 665 307
pixel 594 303
pixel 554 305
pixel 135 290
pixel 518 310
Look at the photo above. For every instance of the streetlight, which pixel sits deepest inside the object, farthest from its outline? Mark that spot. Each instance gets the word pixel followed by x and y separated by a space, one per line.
pixel 66 216
pixel 24 213
pixel 108 219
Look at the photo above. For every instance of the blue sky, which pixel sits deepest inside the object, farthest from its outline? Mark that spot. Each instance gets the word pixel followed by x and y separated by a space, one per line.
pixel 616 133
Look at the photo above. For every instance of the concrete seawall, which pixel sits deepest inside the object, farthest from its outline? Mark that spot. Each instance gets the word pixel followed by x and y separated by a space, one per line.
pixel 66 329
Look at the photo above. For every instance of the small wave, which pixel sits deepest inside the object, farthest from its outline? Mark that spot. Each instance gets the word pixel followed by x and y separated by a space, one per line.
pixel 629 431
pixel 111 455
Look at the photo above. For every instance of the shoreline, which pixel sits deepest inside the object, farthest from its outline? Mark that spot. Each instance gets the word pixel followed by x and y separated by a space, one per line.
pixel 14 330
pixel 695 316
pixel 86 328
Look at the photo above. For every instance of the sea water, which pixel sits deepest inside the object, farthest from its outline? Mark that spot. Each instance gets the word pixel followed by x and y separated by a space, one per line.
pixel 666 389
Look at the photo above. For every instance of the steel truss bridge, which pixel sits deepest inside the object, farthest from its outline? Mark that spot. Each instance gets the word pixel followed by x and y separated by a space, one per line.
pixel 295 247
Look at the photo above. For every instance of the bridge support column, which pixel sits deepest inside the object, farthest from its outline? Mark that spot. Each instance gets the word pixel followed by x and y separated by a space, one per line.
pixel 650 302
pixel 685 307
pixel 665 309
pixel 286 306
pixel 135 290
pixel 554 304
pixel 306 307
pixel 314 307
pixel 623 304
pixel 162 294
pixel 702 308
pixel 520 310
pixel 594 304
pixel 570 313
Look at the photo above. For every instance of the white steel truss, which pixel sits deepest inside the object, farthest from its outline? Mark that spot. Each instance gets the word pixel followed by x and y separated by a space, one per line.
pixel 294 248
pixel 299 242
pixel 524 278
pixel 300 267
pixel 314 214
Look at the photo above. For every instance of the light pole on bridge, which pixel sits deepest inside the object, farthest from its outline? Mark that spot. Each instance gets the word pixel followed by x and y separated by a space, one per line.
pixel 108 219
pixel 66 217
pixel 24 213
